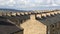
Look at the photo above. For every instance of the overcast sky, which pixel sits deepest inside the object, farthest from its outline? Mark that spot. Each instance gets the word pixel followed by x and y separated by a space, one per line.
pixel 30 4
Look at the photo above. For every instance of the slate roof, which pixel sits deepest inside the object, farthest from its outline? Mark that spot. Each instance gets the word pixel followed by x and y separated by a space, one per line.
pixel 7 28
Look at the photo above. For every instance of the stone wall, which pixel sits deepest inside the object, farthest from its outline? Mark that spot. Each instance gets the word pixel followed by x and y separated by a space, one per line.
pixel 33 26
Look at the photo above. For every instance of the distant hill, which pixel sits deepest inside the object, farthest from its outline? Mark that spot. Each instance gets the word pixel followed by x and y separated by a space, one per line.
pixel 4 9
pixel 15 10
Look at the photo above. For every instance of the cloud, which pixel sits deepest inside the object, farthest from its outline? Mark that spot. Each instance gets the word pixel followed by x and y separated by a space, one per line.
pixel 29 3
pixel 48 1
pixel 34 3
pixel 57 2
pixel 7 2
pixel 54 3
pixel 25 4
pixel 39 1
pixel 10 3
pixel 2 2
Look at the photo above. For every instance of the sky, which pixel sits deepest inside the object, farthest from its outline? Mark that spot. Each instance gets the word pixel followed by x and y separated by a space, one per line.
pixel 30 4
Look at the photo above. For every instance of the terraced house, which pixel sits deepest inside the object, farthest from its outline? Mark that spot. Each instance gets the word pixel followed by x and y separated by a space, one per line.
pixel 33 22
